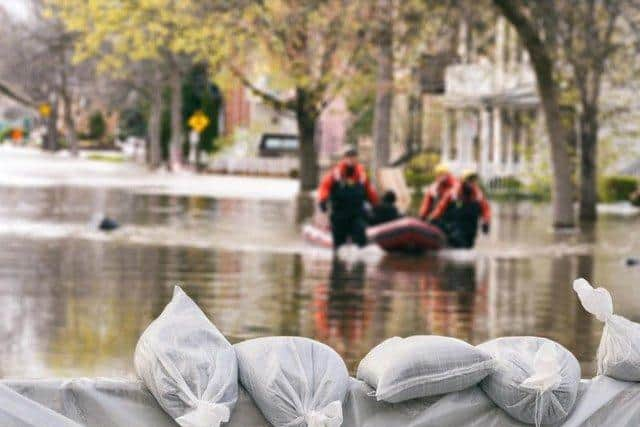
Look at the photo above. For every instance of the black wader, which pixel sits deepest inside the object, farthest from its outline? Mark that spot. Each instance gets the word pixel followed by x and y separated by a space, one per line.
pixel 461 223
pixel 347 213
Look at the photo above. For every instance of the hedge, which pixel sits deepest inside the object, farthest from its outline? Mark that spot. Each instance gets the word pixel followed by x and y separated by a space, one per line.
pixel 616 188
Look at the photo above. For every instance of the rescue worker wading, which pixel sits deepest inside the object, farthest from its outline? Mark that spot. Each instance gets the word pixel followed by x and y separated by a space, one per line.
pixel 459 211
pixel 444 182
pixel 346 188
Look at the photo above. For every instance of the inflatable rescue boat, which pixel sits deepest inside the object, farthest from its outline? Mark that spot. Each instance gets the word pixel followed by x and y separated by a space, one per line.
pixel 401 235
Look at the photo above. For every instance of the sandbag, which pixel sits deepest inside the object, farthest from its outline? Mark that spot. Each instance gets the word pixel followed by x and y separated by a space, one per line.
pixel 294 381
pixel 619 350
pixel 535 381
pixel 188 365
pixel 400 369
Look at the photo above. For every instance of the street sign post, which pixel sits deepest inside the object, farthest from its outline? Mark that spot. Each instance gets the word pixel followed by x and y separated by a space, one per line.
pixel 194 138
pixel 44 109
pixel 197 122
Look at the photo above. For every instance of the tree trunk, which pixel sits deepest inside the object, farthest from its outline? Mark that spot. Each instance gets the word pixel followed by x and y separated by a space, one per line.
pixel 562 191
pixel 177 134
pixel 155 122
pixel 588 163
pixel 414 138
pixel 307 118
pixel 70 125
pixel 67 113
pixel 384 87
pixel 51 140
pixel 541 60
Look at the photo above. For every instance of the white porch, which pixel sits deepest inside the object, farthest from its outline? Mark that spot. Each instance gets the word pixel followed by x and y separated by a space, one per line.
pixel 494 139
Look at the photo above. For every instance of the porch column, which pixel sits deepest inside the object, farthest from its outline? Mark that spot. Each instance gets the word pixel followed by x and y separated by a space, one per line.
pixel 485 140
pixel 511 138
pixel 525 129
pixel 461 144
pixel 445 154
pixel 497 138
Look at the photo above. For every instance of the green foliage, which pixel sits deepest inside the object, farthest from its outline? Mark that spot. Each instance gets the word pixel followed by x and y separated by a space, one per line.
pixel 106 158
pixel 539 189
pixel 616 188
pixel 223 141
pixel 198 93
pixel 133 122
pixel 5 133
pixel 635 198
pixel 361 106
pixel 97 125
pixel 505 188
pixel 512 188
pixel 420 170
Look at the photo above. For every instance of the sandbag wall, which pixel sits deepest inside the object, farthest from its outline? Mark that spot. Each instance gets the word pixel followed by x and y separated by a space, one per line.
pixel 193 371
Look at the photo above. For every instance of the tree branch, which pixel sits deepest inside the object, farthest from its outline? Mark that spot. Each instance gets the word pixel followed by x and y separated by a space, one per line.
pixel 276 102
pixel 540 56
pixel 11 93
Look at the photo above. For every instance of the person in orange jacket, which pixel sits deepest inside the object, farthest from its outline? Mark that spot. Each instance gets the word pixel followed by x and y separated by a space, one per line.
pixel 460 210
pixel 345 189
pixel 444 182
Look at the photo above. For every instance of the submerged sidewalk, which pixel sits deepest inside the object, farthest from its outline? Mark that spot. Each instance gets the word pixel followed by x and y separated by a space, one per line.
pixel 29 167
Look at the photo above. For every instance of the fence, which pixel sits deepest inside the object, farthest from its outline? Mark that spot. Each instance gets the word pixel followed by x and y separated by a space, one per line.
pixel 261 166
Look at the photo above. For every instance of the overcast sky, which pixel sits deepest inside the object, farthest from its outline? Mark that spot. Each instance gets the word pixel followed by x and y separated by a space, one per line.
pixel 15 7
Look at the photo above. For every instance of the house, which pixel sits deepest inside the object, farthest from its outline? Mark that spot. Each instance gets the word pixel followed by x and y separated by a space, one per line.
pixel 246 118
pixel 488 117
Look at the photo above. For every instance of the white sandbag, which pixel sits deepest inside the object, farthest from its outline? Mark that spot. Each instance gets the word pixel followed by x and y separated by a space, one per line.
pixel 188 365
pixel 294 381
pixel 536 380
pixel 400 369
pixel 619 351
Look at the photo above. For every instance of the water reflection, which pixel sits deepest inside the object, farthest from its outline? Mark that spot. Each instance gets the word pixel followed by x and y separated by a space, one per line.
pixel 75 303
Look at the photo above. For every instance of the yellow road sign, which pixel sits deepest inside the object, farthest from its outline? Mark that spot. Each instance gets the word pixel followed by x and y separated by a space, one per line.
pixel 198 121
pixel 44 109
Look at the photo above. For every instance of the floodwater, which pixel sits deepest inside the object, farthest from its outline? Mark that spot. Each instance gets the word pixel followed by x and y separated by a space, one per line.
pixel 74 300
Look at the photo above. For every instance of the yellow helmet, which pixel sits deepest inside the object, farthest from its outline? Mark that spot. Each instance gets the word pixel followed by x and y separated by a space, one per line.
pixel 469 174
pixel 441 169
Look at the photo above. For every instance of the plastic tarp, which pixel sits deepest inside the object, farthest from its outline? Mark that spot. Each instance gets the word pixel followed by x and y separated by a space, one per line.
pixel 602 401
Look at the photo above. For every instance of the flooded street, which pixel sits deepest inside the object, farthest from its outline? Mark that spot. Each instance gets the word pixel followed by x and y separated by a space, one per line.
pixel 75 300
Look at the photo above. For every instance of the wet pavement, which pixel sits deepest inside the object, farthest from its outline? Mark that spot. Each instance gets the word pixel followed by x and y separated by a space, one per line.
pixel 75 300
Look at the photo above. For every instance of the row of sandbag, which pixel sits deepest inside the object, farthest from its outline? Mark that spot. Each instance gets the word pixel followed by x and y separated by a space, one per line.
pixel 193 371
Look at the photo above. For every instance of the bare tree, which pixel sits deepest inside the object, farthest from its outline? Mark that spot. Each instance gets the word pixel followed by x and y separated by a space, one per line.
pixel 38 59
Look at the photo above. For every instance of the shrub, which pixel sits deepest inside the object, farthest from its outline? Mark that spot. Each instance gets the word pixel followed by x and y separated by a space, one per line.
pixel 511 183
pixel 97 125
pixel 505 188
pixel 616 188
pixel 635 198
pixel 106 158
pixel 419 171
pixel 5 133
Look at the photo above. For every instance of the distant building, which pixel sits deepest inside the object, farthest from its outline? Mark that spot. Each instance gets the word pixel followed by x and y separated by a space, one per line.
pixel 486 115
pixel 247 117
pixel 490 110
